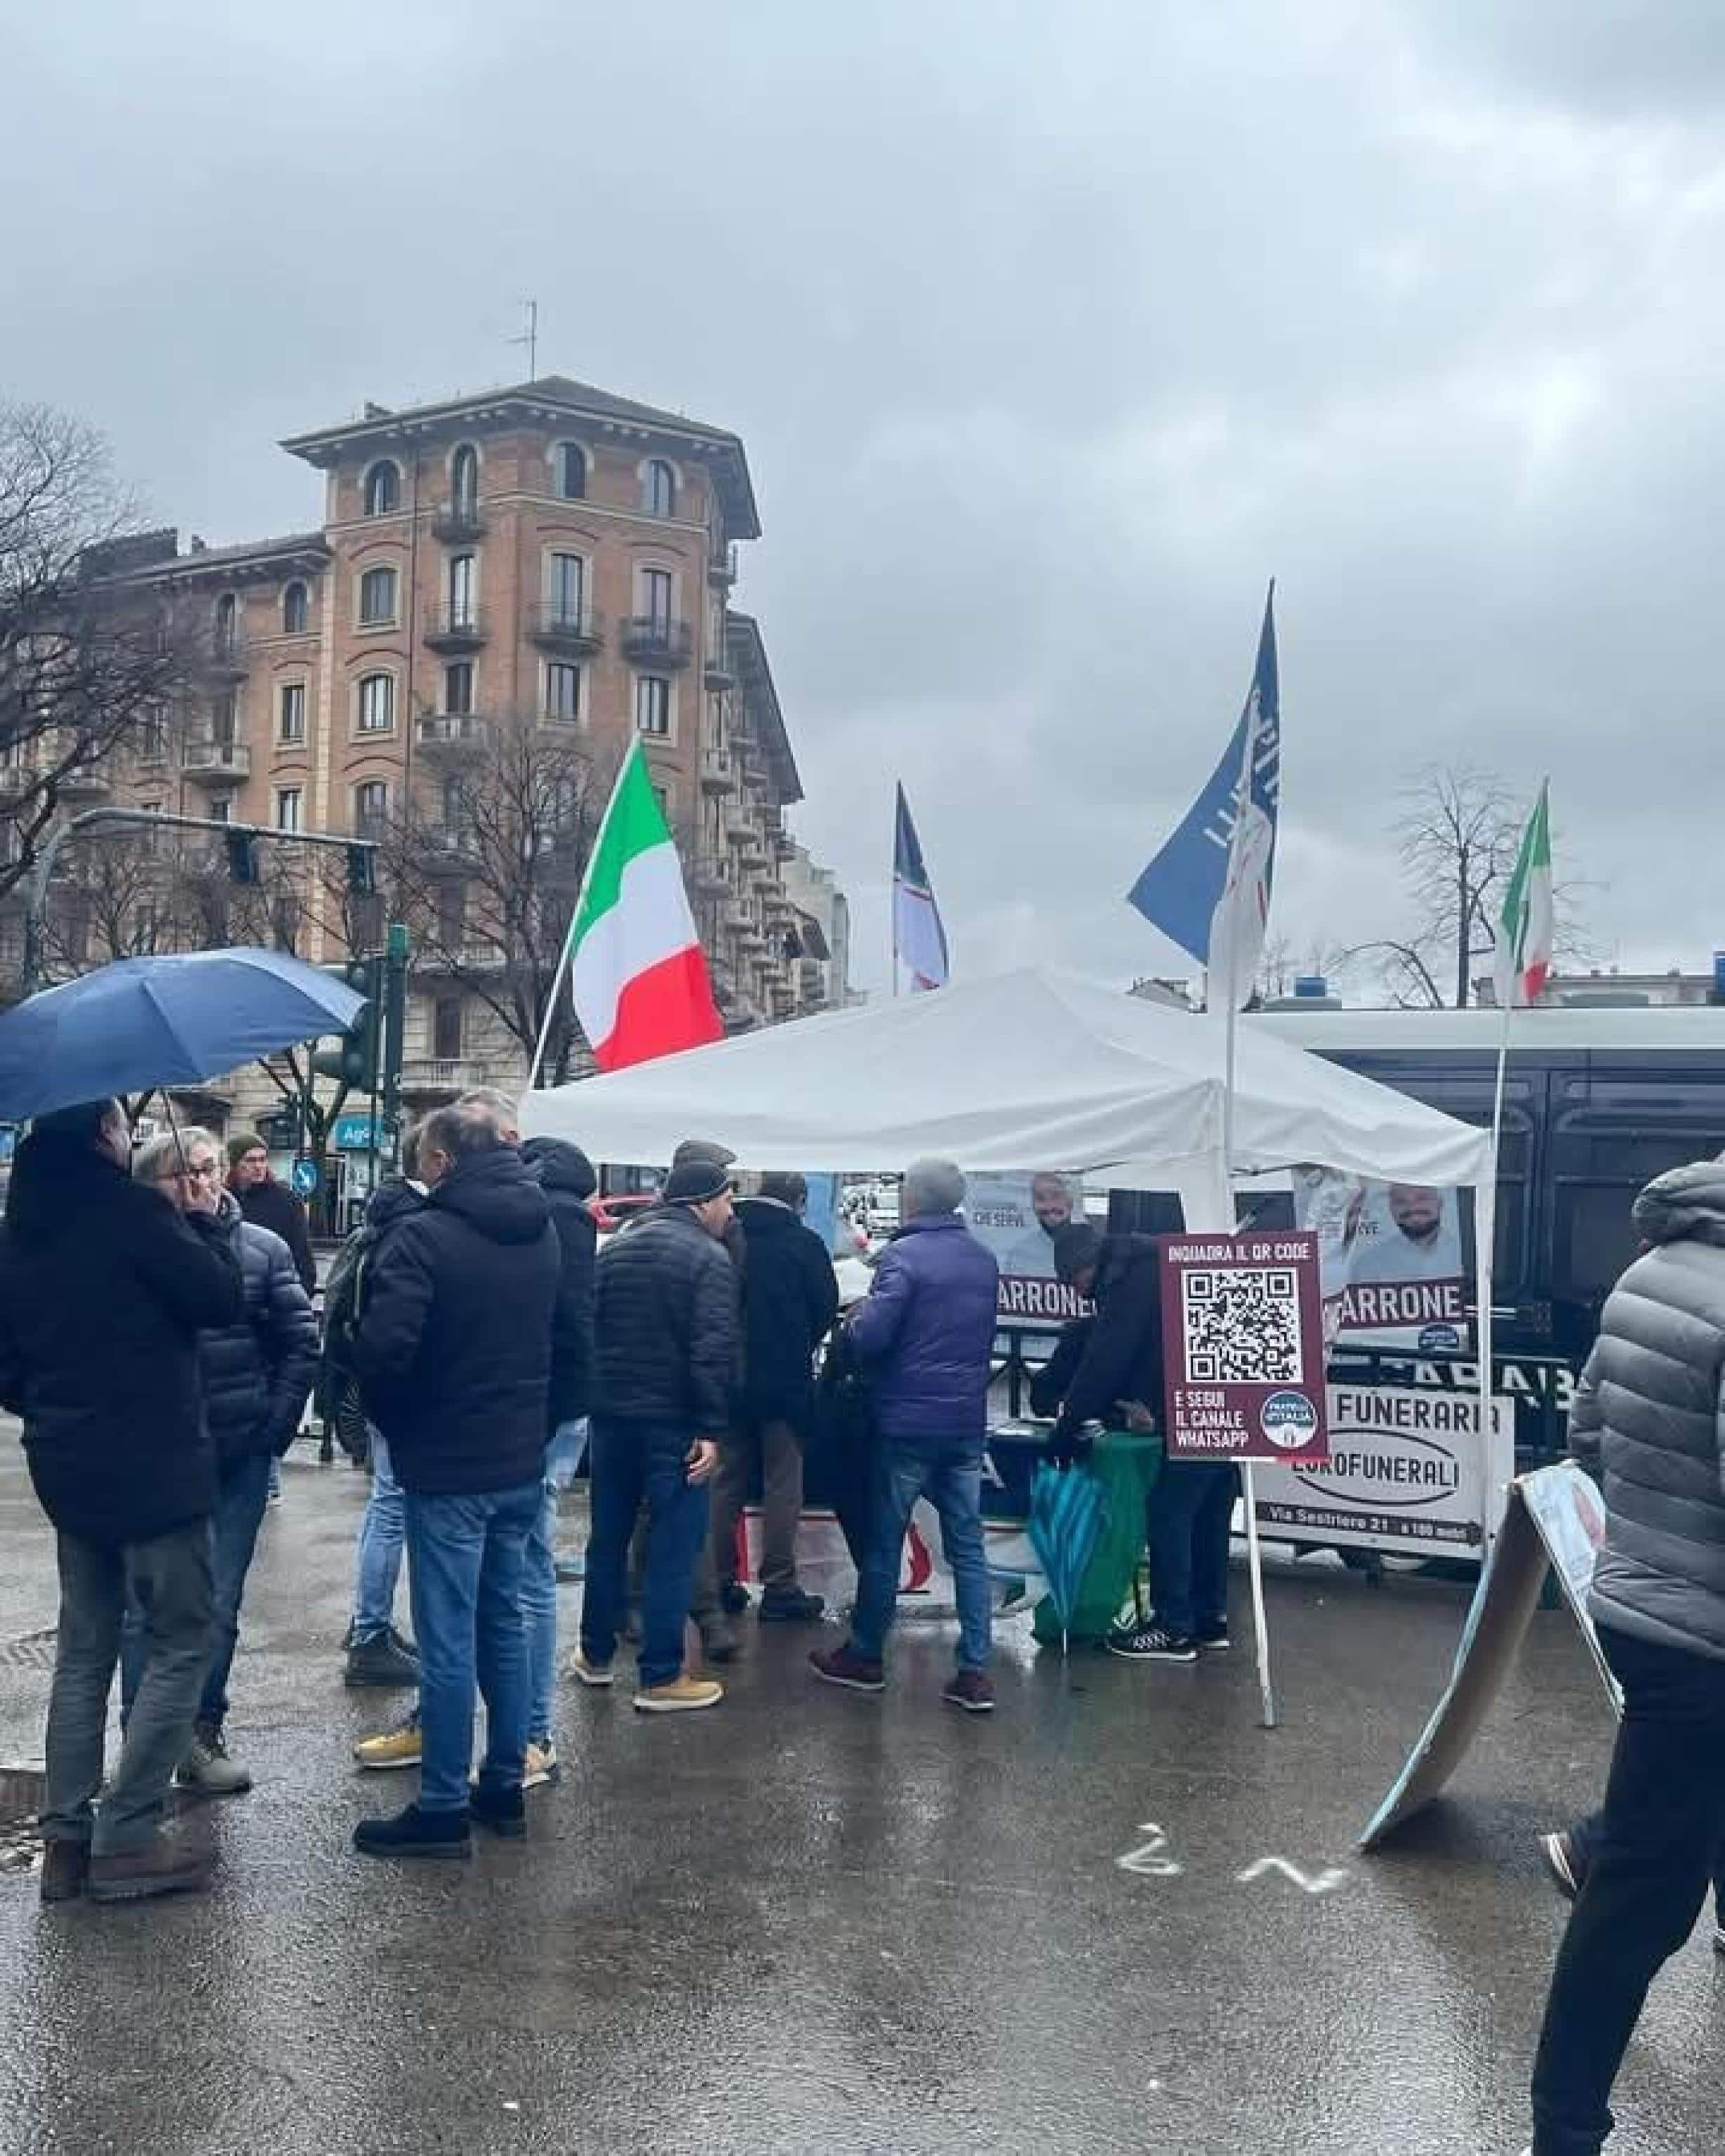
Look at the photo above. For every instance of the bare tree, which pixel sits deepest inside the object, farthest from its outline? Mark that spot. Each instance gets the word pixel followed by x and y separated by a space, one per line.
pixel 86 665
pixel 486 868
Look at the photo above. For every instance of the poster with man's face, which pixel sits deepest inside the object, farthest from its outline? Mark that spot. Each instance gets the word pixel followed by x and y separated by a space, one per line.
pixel 1394 1272
pixel 1018 1216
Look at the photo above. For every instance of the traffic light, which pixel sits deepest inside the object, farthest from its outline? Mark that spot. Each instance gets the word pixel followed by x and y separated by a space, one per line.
pixel 354 1062
pixel 361 877
pixel 242 846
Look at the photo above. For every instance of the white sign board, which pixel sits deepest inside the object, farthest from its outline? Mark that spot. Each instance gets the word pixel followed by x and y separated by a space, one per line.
pixel 1408 1472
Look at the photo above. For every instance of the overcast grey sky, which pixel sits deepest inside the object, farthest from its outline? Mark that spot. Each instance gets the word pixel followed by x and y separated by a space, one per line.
pixel 1051 333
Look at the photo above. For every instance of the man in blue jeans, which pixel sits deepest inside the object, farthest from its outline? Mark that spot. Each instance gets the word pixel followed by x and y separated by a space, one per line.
pixel 665 1330
pixel 454 1355
pixel 925 1333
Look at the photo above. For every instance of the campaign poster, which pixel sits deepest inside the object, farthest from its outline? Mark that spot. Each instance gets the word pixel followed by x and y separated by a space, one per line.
pixel 1394 1272
pixel 1018 1216
pixel 1243 1347
pixel 1409 1472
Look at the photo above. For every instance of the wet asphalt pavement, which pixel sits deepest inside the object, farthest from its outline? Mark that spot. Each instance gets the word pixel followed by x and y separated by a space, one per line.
pixel 813 1922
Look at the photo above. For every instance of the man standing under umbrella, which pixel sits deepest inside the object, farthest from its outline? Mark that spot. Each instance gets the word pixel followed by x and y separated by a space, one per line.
pixel 104 1291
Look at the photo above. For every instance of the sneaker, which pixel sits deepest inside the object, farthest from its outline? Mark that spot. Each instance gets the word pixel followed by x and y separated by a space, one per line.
pixel 207 1768
pixel 396 1748
pixel 718 1642
pixel 65 1871
pixel 973 1691
pixel 1559 1851
pixel 412 1832
pixel 502 1812
pixel 1212 1639
pixel 387 1660
pixel 843 1665
pixel 790 1605
pixel 681 1695
pixel 595 1674
pixel 542 1766
pixel 170 1864
pixel 1154 1643
pixel 733 1598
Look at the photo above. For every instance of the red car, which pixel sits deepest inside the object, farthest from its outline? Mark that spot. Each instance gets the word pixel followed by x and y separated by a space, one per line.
pixel 610 1213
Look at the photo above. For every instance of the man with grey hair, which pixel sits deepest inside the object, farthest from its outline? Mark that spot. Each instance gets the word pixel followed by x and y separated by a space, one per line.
pixel 453 1356
pixel 926 1334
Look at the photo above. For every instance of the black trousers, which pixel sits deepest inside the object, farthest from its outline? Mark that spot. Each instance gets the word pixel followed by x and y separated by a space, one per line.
pixel 1661 1828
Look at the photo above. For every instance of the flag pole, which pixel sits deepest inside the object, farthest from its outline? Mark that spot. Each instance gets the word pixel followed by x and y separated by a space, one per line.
pixel 566 954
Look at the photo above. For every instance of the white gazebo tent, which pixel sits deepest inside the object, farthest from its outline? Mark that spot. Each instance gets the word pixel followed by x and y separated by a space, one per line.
pixel 1025 1069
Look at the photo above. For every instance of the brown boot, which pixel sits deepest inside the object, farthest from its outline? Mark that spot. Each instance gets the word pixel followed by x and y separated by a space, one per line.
pixel 65 1871
pixel 171 1864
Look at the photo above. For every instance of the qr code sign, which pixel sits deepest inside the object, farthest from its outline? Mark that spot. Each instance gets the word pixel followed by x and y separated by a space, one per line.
pixel 1243 1326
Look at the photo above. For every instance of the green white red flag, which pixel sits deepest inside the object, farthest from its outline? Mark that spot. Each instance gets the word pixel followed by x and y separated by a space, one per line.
pixel 636 971
pixel 1524 935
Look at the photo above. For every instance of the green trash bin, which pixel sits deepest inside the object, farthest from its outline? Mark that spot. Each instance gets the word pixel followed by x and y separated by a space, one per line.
pixel 1125 1465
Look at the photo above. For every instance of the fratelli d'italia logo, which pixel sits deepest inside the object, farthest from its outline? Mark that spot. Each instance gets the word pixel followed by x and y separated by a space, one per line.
pixel 1289 1420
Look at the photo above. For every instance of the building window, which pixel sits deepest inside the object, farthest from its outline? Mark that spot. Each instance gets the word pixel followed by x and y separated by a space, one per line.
pixel 227 625
pixel 221 809
pixel 661 794
pixel 565 588
pixel 458 687
pixel 290 723
pixel 377 598
pixel 562 803
pixel 455 817
pixel 446 1029
pixel 371 808
pixel 224 718
pixel 569 464
pixel 377 703
pixel 289 800
pixel 464 479
pixel 295 611
pixel 659 488
pixel 652 705
pixel 153 735
pixel 562 691
pixel 656 599
pixel 451 914
pixel 286 916
pixel 461 584
pixel 382 489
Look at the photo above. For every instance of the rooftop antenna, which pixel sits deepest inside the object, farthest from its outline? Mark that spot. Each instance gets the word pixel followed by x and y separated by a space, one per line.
pixel 530 337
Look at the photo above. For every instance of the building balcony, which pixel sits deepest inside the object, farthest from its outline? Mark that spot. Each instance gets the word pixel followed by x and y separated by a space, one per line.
pixel 452 734
pixel 713 875
pixel 433 1078
pixel 217 763
pixel 739 823
pixel 737 917
pixel 718 773
pixel 721 566
pixel 18 775
pixel 652 640
pixel 784 1001
pixel 229 658
pixel 449 842
pixel 456 627
pixel 459 521
pixel 84 781
pixel 561 625
pixel 718 673
pixel 784 845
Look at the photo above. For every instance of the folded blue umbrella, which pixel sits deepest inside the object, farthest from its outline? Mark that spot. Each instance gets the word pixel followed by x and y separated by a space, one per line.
pixel 1063 1524
pixel 142 1023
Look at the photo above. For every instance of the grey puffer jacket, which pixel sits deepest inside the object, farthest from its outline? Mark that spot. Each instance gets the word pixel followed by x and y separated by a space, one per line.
pixel 1649 1411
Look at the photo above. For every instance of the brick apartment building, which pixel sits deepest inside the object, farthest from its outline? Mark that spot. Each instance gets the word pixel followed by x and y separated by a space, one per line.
pixel 548 553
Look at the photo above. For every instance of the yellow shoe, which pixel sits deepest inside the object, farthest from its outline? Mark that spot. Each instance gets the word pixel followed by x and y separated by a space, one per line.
pixel 396 1748
pixel 681 1695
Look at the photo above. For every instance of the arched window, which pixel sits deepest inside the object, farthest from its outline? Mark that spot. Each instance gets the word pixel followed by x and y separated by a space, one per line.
pixel 296 610
pixel 569 464
pixel 227 625
pixel 464 477
pixel 659 488
pixel 383 490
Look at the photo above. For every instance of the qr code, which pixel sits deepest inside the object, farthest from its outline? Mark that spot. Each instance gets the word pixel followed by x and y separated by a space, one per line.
pixel 1243 1326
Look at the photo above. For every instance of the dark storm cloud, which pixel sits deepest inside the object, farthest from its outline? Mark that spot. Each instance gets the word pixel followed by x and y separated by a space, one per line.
pixel 1052 335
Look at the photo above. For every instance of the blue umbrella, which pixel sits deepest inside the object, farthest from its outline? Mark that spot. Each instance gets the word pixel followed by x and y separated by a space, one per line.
pixel 143 1022
pixel 1064 1519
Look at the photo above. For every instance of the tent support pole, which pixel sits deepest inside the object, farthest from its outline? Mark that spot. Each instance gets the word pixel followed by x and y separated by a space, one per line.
pixel 1260 1622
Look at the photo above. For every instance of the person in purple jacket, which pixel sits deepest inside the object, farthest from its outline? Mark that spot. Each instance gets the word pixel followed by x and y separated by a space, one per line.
pixel 925 1334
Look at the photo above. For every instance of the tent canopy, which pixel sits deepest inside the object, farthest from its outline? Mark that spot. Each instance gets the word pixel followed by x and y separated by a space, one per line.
pixel 1025 1069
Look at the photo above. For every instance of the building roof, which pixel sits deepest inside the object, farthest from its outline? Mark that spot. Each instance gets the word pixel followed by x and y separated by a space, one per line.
pixel 306 551
pixel 743 641
pixel 552 397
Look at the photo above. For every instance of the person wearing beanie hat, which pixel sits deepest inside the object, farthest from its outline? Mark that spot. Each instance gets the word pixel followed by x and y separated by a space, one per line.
pixel 268 1204
pixel 703 1149
pixel 697 1179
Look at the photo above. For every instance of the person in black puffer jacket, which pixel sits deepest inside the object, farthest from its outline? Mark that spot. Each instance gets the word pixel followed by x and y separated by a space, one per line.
pixel 454 1354
pixel 790 1299
pixel 102 1292
pixel 255 1375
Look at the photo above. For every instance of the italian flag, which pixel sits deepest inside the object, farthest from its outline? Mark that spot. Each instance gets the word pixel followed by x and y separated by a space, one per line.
pixel 1524 935
pixel 636 972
